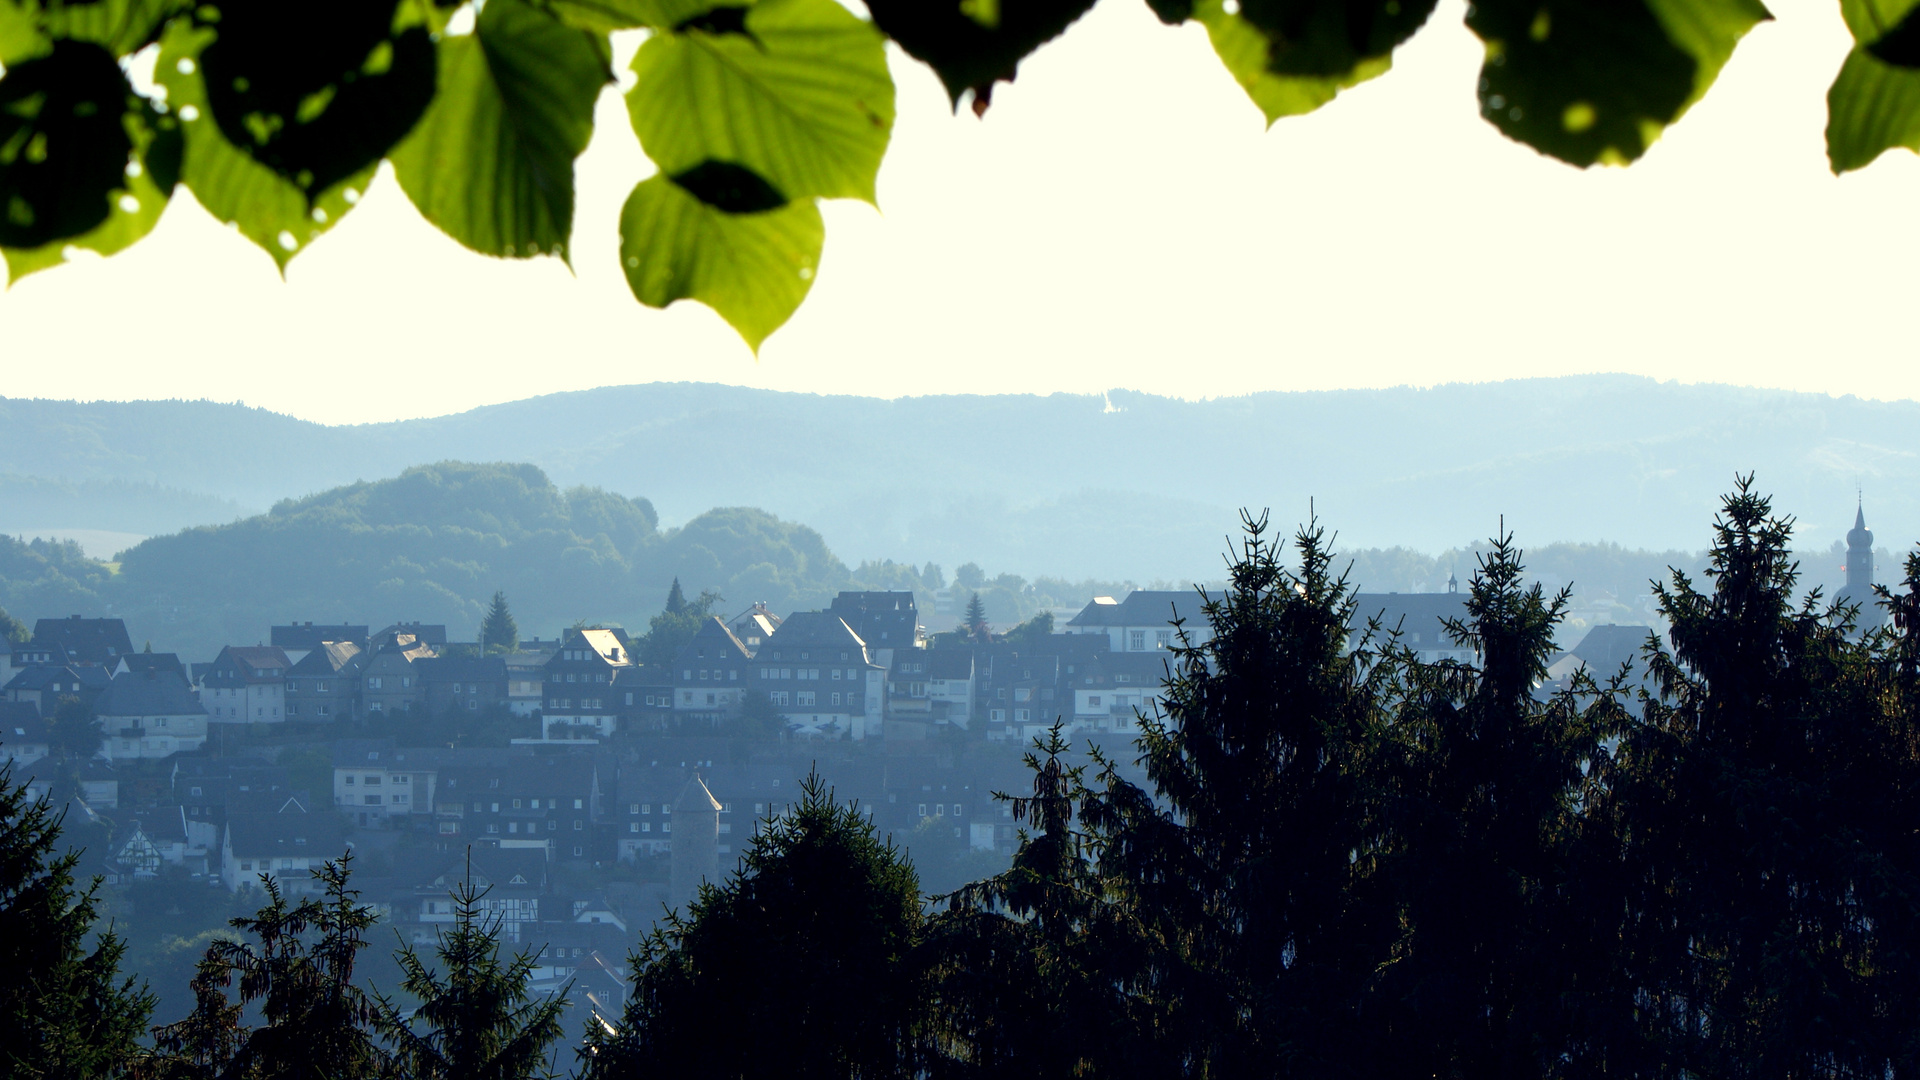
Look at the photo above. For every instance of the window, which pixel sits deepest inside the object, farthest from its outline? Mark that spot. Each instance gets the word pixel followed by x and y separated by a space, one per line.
pixel 1023 714
pixel 998 715
pixel 577 850
pixel 633 826
pixel 803 698
pixel 246 865
pixel 350 779
pixel 922 810
pixel 836 699
pixel 939 809
pixel 1137 640
pixel 836 674
pixel 550 825
pixel 516 804
pixel 399 797
pixel 400 778
pixel 646 826
pixel 1163 638
pixel 633 808
pixel 373 682
pixel 647 808
pixel 372 800
pixel 373 781
pixel 703 674
pixel 578 825
pixel 513 826
pixel 956 809
pixel 1093 701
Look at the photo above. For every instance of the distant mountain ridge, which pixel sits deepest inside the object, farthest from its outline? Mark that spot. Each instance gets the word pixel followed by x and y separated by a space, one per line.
pixel 1117 485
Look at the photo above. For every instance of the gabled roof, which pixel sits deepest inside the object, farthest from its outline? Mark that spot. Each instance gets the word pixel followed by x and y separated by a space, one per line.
pixel 320 836
pixel 607 645
pixel 20 724
pixel 425 633
pixel 148 693
pixel 1143 607
pixel 713 641
pixel 309 636
pixel 152 661
pixel 466 669
pixel 87 641
pixel 949 663
pixel 42 677
pixel 329 658
pixel 819 634
pixel 1605 648
pixel 244 665
pixel 520 869
pixel 1422 614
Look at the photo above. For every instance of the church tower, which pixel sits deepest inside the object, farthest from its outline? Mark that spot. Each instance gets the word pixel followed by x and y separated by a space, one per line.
pixel 1859 588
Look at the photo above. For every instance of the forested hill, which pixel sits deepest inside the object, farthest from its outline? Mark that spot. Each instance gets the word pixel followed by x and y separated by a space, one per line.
pixel 1120 485
pixel 432 545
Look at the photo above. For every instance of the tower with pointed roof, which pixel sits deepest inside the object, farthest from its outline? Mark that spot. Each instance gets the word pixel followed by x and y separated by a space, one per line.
pixel 695 853
pixel 1859 587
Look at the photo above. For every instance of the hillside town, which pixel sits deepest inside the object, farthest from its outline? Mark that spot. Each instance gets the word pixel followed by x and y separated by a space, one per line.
pixel 613 787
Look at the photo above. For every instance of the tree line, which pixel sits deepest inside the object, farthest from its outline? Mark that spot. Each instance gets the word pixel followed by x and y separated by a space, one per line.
pixel 1343 861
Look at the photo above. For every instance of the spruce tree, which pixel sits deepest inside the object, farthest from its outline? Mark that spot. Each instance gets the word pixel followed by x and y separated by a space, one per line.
pixel 676 600
pixel 1768 796
pixel 295 967
pixel 65 1011
pixel 805 952
pixel 476 1021
pixel 974 622
pixel 498 631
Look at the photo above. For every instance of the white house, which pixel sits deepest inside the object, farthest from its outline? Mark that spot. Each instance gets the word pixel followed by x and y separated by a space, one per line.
pixel 150 714
pixel 246 685
pixel 285 847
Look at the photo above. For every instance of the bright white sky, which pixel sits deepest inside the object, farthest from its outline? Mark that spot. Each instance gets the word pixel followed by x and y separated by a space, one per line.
pixel 1120 219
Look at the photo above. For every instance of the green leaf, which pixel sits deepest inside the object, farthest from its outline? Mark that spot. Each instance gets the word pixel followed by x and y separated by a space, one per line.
pixel 1871 20
pixel 1331 38
pixel 967 53
pixel 491 163
pixel 1872 107
pixel 233 186
pixel 796 90
pixel 1597 81
pixel 21 36
pixel 1246 53
pixel 135 201
pixel 64 144
pixel 318 93
pixel 754 269
pixel 122 27
pixel 606 16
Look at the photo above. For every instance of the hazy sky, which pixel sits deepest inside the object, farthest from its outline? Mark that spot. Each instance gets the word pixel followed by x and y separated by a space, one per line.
pixel 1119 219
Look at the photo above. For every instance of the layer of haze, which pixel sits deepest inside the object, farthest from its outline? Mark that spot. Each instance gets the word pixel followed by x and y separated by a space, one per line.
pixel 1119 219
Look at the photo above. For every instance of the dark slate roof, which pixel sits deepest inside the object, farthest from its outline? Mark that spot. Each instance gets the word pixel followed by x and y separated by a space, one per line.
pixel 1605 648
pixel 713 641
pixel 309 636
pixel 1421 614
pixel 41 652
pixel 87 641
pixel 39 677
pixel 20 723
pixel 424 633
pixel 448 669
pixel 329 658
pixel 810 631
pixel 884 620
pixel 949 663
pixel 148 693
pixel 255 836
pixel 155 661
pixel 502 868
pixel 240 665
pixel 1143 607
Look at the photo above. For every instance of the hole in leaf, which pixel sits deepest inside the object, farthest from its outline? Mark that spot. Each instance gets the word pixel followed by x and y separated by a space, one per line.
pixel 733 188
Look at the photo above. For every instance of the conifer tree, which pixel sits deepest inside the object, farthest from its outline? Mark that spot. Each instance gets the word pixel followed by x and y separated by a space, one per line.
pixel 476 1021
pixel 65 1011
pixel 804 952
pixel 296 969
pixel 974 622
pixel 676 600
pixel 498 631
pixel 1768 796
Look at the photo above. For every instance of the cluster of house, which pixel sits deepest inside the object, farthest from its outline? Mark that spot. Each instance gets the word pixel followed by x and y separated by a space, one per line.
pixel 860 669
